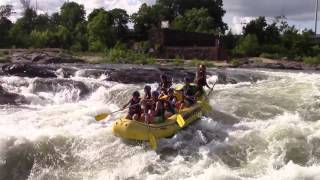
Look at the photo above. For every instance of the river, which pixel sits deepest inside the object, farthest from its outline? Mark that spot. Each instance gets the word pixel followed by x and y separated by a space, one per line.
pixel 268 129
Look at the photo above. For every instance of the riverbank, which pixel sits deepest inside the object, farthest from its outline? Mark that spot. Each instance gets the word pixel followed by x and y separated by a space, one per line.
pixel 58 56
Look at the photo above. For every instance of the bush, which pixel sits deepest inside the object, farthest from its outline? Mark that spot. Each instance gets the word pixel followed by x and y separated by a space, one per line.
pixel 125 56
pixel 312 60
pixel 197 62
pixel 236 62
pixel 96 46
pixel 271 56
pixel 177 61
pixel 248 45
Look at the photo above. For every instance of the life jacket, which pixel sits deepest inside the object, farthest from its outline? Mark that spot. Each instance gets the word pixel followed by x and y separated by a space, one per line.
pixel 190 90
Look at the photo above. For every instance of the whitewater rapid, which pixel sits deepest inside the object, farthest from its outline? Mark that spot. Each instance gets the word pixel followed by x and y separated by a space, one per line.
pixel 264 130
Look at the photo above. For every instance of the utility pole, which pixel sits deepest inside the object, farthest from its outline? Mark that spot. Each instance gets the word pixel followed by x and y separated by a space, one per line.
pixel 316 18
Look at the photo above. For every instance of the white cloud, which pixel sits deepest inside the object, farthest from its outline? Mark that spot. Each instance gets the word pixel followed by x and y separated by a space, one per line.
pixel 238 23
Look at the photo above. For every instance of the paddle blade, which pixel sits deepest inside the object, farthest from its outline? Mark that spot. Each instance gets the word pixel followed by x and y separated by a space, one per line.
pixel 101 117
pixel 180 120
pixel 206 107
pixel 153 141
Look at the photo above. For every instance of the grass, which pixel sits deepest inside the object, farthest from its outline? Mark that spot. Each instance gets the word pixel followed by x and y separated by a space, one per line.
pixel 197 62
pixel 271 56
pixel 178 61
pixel 312 60
pixel 124 56
pixel 4 57
pixel 236 62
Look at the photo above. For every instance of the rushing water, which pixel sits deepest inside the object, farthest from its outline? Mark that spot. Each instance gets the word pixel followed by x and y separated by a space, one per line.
pixel 263 130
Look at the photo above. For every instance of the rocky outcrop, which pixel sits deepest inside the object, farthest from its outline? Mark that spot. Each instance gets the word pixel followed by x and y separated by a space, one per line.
pixel 11 98
pixel 28 70
pixel 41 56
pixel 236 76
pixel 128 74
pixel 55 85
pixel 134 75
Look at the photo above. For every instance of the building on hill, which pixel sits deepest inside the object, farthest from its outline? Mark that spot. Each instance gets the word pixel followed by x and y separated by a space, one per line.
pixel 169 44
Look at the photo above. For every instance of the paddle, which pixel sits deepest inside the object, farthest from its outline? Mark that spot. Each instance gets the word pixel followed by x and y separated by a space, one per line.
pixel 152 139
pixel 205 105
pixel 180 120
pixel 212 88
pixel 102 116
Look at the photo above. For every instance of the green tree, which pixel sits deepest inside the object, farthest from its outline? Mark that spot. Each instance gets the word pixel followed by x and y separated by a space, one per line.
pixel 120 19
pixel 256 27
pixel 195 20
pixel 5 25
pixel 20 32
pixel 174 8
pixel 80 38
pixel 100 32
pixel 248 45
pixel 71 14
pixel 146 18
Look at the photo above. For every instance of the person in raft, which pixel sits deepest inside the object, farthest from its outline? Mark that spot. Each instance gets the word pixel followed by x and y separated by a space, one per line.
pixel 164 85
pixel 146 103
pixel 134 107
pixel 201 80
pixel 189 93
pixel 157 112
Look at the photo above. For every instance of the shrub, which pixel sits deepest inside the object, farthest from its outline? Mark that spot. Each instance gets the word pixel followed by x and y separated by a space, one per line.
pixel 197 62
pixel 248 45
pixel 177 61
pixel 122 56
pixel 312 60
pixel 271 56
pixel 236 62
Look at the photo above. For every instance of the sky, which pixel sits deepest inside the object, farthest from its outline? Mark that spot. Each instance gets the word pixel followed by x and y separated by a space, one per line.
pixel 298 12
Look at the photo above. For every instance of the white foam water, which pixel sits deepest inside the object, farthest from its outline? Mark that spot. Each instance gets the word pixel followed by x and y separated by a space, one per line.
pixel 263 130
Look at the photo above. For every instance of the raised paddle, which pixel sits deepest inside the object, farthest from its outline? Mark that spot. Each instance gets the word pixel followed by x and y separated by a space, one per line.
pixel 152 139
pixel 102 116
pixel 180 120
pixel 205 105
pixel 212 88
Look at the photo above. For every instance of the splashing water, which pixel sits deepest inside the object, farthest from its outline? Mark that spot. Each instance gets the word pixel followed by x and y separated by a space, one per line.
pixel 263 130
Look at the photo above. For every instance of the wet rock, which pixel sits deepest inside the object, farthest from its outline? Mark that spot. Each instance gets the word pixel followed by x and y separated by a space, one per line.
pixel 42 56
pixel 134 75
pixel 234 77
pixel 55 85
pixel 28 70
pixel 11 98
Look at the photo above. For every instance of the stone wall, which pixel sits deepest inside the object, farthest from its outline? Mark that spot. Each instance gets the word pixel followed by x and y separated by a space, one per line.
pixel 170 44
pixel 204 53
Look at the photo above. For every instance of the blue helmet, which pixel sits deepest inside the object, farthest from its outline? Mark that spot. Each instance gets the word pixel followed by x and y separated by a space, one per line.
pixel 155 93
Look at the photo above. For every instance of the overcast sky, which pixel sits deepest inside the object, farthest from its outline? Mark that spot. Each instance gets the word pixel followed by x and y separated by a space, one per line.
pixel 298 12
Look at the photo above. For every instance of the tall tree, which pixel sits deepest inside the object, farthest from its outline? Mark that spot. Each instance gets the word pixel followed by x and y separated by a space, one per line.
pixel 5 25
pixel 146 18
pixel 71 14
pixel 100 32
pixel 120 19
pixel 256 27
pixel 179 7
pixel 21 30
pixel 195 20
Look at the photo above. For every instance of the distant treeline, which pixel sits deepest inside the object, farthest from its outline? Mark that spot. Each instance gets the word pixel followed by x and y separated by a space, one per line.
pixel 101 29
pixel 273 40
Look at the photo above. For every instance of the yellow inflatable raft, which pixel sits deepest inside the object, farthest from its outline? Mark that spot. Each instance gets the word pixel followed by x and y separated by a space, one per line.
pixel 135 130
